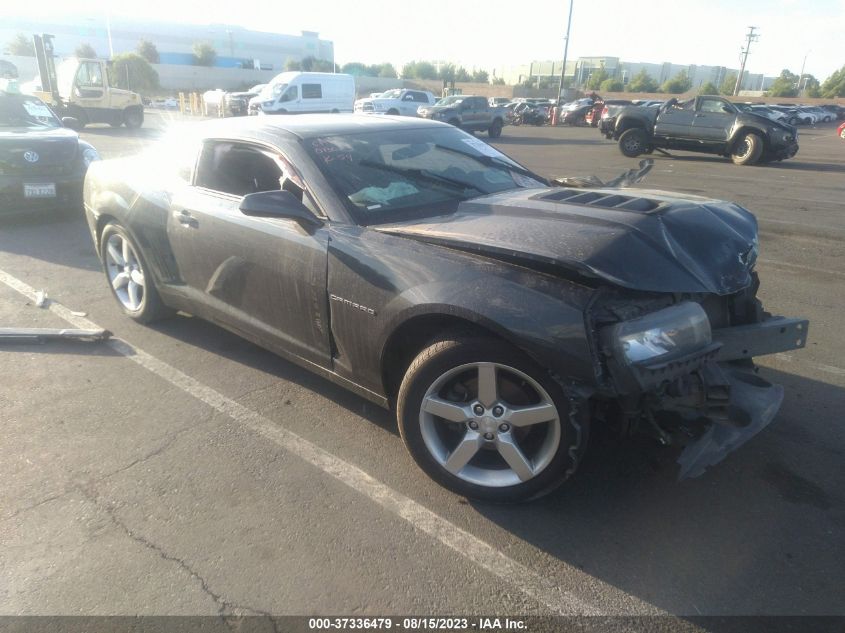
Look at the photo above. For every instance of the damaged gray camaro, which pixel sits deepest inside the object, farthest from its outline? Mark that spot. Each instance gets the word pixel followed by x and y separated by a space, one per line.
pixel 501 315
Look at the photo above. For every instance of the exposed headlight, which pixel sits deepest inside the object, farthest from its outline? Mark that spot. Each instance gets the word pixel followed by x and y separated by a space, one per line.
pixel 671 332
pixel 89 155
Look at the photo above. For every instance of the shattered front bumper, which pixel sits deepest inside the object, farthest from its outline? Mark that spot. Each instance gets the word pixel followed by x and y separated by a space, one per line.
pixel 753 404
pixel 719 398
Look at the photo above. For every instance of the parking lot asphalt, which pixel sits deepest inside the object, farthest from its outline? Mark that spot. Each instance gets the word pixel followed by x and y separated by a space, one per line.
pixel 186 471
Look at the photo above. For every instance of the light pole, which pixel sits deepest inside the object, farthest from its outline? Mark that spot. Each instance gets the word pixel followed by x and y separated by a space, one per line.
pixel 565 52
pixel 803 64
pixel 751 37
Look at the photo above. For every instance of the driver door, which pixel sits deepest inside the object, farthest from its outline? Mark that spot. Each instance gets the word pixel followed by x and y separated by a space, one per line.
pixel 714 119
pixel 89 90
pixel 262 276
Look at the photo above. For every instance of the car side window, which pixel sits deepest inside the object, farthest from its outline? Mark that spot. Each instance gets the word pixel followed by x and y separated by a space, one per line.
pixel 712 105
pixel 290 94
pixel 237 169
pixel 312 91
pixel 89 75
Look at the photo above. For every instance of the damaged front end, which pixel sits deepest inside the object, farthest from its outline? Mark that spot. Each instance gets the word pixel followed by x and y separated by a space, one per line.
pixel 681 368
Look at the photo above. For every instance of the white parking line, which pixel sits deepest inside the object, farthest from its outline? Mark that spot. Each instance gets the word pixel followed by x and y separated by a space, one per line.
pixel 476 551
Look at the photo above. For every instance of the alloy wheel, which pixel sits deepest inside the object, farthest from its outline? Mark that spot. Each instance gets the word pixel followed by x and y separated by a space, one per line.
pixel 125 272
pixel 490 424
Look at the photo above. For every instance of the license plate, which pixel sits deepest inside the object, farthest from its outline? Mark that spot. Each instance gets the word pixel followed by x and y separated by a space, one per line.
pixel 41 190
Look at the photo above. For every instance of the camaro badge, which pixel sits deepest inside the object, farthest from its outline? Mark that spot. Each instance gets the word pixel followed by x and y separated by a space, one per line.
pixel 30 156
pixel 352 304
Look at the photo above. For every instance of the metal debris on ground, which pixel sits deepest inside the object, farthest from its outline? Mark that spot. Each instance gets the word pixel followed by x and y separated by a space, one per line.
pixel 42 335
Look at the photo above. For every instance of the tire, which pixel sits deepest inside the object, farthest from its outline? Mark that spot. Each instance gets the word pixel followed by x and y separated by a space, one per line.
pixel 545 447
pixel 455 122
pixel 133 118
pixel 633 142
pixel 495 130
pixel 136 294
pixel 393 111
pixel 748 149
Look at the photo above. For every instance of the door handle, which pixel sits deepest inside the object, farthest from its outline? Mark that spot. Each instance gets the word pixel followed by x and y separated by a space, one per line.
pixel 184 218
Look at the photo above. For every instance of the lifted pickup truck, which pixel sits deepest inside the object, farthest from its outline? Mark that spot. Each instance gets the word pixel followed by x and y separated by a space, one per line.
pixel 471 114
pixel 704 124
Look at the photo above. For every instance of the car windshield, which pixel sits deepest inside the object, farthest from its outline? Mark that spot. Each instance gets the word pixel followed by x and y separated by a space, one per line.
pixel 411 173
pixel 390 94
pixel 276 89
pixel 453 100
pixel 23 111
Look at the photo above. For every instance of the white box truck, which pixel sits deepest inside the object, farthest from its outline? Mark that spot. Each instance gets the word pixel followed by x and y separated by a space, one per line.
pixel 304 92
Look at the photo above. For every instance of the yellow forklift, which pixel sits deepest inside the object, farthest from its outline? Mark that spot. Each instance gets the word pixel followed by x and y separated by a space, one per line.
pixel 80 88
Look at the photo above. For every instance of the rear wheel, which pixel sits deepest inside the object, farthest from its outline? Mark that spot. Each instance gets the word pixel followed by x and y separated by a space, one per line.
pixel 748 149
pixel 633 142
pixel 393 111
pixel 128 277
pixel 485 421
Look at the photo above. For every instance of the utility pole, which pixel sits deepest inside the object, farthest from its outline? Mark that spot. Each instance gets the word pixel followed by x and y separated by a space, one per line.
pixel 565 52
pixel 750 37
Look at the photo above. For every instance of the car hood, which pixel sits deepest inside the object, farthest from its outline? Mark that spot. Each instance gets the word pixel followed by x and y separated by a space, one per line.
pixel 53 145
pixel 673 243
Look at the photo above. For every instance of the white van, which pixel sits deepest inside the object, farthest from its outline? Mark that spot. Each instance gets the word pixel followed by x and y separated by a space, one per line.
pixel 301 93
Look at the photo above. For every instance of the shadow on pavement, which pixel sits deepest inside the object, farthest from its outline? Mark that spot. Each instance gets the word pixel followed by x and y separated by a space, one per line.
pixel 61 239
pixel 762 532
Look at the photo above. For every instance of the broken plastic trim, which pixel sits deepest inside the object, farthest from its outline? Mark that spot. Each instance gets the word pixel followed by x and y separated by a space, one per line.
pixel 41 335
pixel 625 179
pixel 754 402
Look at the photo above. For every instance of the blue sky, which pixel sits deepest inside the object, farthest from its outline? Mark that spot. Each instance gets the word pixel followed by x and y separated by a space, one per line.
pixel 491 33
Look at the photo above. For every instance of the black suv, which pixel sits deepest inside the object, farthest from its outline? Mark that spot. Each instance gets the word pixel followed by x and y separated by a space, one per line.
pixel 42 161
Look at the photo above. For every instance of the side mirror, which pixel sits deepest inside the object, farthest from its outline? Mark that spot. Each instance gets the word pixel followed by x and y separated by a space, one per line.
pixel 71 123
pixel 278 204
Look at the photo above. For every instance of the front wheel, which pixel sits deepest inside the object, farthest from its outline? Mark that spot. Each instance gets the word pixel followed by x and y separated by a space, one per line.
pixel 133 118
pixel 633 142
pixel 128 276
pixel 485 421
pixel 747 149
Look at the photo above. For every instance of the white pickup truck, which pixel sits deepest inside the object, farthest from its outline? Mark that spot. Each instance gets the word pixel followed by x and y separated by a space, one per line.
pixel 397 101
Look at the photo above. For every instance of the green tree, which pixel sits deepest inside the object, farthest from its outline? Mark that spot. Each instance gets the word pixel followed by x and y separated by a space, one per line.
pixel 678 84
pixel 728 84
pixel 292 64
pixel 642 82
pixel 204 54
pixel 387 71
pixel 132 72
pixel 446 72
pixel 784 85
pixel 355 68
pixel 21 45
pixel 834 86
pixel 148 51
pixel 419 70
pixel 597 78
pixel 809 85
pixel 480 76
pixel 498 81
pixel 611 84
pixel 708 88
pixel 461 74
pixel 312 64
pixel 85 51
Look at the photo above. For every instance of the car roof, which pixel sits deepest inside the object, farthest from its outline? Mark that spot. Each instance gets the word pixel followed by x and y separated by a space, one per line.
pixel 306 125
